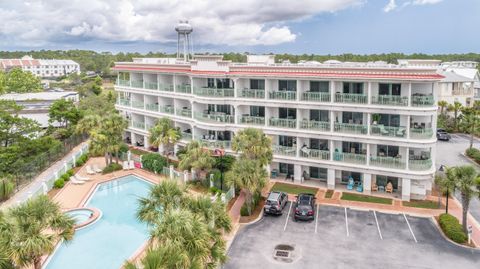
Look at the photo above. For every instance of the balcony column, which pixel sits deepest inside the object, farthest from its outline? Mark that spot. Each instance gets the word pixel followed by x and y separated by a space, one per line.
pixel 332 91
pixel 369 93
pixel 407 157
pixel 332 120
pixel 408 126
pixel 433 119
pixel 367 183
pixel 332 150
pixel 368 154
pixel 235 88
pixel 406 189
pixel 191 84
pixel 331 179
pixel 144 98
pixel 174 83
pixel 235 108
pixel 369 122
pixel 410 94
pixel 297 173
pixel 145 142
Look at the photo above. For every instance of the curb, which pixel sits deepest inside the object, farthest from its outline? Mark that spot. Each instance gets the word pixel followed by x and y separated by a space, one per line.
pixel 387 211
pixel 470 160
pixel 450 240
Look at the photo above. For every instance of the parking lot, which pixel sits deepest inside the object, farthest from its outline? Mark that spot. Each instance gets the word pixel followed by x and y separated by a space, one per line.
pixel 345 238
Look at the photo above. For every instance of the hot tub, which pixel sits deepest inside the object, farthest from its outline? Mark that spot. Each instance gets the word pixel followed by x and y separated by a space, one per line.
pixel 84 216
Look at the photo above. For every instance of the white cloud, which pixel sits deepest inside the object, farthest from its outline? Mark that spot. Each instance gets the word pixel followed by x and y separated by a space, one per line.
pixel 392 4
pixel 426 2
pixel 222 22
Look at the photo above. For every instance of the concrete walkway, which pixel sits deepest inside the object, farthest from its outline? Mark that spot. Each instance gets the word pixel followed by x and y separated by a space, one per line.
pixel 36 184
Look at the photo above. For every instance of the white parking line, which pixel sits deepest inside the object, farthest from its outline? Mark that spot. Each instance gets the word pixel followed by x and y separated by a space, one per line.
pixel 346 221
pixel 316 219
pixel 378 226
pixel 408 223
pixel 288 215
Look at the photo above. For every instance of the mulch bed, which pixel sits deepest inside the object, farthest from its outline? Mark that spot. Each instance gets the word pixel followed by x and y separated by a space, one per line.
pixel 256 212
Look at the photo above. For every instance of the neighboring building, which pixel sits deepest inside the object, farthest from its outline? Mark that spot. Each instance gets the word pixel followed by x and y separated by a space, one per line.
pixel 456 88
pixel 42 68
pixel 36 105
pixel 373 122
pixel 466 69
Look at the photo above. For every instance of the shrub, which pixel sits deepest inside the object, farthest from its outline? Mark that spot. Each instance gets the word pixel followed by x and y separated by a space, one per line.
pixel 65 177
pixel 473 153
pixel 154 162
pixel 70 172
pixel 244 211
pixel 452 228
pixel 112 168
pixel 59 183
pixel 123 148
pixel 81 160
pixel 6 188
pixel 214 190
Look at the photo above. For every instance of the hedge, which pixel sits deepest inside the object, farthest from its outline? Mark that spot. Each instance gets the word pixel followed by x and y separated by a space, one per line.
pixel 153 162
pixel 452 228
pixel 81 160
pixel 473 153
pixel 112 168
pixel 59 183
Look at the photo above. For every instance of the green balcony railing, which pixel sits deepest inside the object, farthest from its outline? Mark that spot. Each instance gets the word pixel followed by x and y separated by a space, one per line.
pixel 137 84
pixel 421 133
pixel 138 125
pixel 151 107
pixel 381 130
pixel 151 85
pixel 205 117
pixel 284 150
pixel 251 93
pixel 251 120
pixel 388 162
pixel 214 92
pixel 216 144
pixel 350 128
pixel 167 109
pixel 183 88
pixel 354 98
pixel 315 154
pixel 419 165
pixel 426 100
pixel 184 112
pixel 138 104
pixel 316 96
pixel 285 123
pixel 315 125
pixel 165 87
pixel 186 136
pixel 390 100
pixel 349 157
pixel 282 95
pixel 122 82
pixel 123 102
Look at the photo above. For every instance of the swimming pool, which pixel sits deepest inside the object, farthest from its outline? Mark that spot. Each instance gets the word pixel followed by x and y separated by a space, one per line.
pixel 114 237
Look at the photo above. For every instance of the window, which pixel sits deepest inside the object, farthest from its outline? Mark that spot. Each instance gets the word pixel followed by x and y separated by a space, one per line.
pixel 347 174
pixel 319 115
pixel 257 84
pixel 387 151
pixel 353 87
pixel 287 113
pixel 210 83
pixel 383 181
pixel 321 144
pixel 319 86
pixel 352 147
pixel 389 89
pixel 389 120
pixel 223 83
pixel 352 117
pixel 318 173
pixel 257 111
pixel 287 85
pixel 286 168
pixel 286 141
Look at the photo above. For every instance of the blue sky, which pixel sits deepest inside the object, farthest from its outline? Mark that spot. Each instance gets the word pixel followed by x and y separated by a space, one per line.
pixel 278 26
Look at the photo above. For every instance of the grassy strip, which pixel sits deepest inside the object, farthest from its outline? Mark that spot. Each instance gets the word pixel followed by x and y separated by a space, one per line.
pixel 138 151
pixel 422 204
pixel 293 189
pixel 329 194
pixel 364 198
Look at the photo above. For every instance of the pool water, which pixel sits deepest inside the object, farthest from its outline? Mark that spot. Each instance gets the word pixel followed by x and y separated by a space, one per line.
pixel 80 215
pixel 114 237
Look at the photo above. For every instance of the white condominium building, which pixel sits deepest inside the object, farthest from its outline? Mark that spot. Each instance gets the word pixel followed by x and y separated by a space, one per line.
pixel 41 67
pixel 329 122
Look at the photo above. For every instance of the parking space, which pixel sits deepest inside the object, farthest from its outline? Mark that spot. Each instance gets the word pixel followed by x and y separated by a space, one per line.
pixel 346 238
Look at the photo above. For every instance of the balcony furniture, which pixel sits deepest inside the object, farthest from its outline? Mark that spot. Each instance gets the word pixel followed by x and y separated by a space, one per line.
pixel 274 173
pixel 350 184
pixel 381 188
pixel 389 187
pixel 374 186
pixel 401 132
pixel 360 187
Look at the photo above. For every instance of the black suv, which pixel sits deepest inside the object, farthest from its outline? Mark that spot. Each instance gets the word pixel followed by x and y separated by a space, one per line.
pixel 275 203
pixel 443 135
pixel 304 207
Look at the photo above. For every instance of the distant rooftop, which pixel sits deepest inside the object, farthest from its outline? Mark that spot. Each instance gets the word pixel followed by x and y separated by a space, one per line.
pixel 44 96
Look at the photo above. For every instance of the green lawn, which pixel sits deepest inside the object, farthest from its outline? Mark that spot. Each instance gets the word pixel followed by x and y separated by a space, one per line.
pixel 364 198
pixel 138 151
pixel 422 204
pixel 293 189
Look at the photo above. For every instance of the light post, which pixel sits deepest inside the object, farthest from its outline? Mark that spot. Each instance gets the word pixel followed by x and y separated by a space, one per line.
pixel 442 170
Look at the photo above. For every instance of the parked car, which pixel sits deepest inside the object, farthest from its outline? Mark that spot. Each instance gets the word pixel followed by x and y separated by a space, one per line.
pixel 275 203
pixel 304 207
pixel 443 135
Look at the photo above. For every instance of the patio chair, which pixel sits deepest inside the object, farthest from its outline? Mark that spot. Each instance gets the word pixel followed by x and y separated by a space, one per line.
pixel 350 184
pixel 374 186
pixel 76 181
pixel 80 178
pixel 96 169
pixel 90 170
pixel 360 187
pixel 125 165
pixel 131 165
pixel 389 187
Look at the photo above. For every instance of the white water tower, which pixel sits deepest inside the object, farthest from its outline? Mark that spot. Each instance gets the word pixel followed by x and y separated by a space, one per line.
pixel 184 29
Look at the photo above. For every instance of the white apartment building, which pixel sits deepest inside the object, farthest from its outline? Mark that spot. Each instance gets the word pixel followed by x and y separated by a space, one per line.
pixel 41 67
pixel 329 122
pixel 468 70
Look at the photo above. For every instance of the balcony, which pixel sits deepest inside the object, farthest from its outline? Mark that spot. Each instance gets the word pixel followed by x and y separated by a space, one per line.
pixel 165 87
pixel 122 82
pixel 151 85
pixel 251 120
pixel 350 128
pixel 168 109
pixel 420 165
pixel 214 117
pixel 353 98
pixel 151 107
pixel 184 112
pixel 123 102
pixel 285 123
pixel 390 100
pixel 316 96
pixel 283 95
pixel 216 144
pixel 284 150
pixel 381 130
pixel 251 93
pixel 425 100
pixel 349 157
pixel 388 162
pixel 315 125
pixel 137 125
pixel 421 133
pixel 315 154
pixel 183 88
pixel 186 136
pixel 136 84
pixel 138 104
pixel 214 92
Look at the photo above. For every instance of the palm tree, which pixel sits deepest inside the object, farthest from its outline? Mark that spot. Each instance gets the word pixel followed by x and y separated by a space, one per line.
pixel 34 228
pixel 253 144
pixel 250 176
pixel 155 258
pixel 455 108
pixel 163 133
pixel 470 122
pixel 196 157
pixel 446 184
pixel 466 183
pixel 214 213
pixel 442 104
